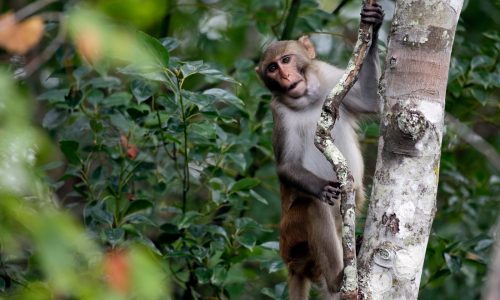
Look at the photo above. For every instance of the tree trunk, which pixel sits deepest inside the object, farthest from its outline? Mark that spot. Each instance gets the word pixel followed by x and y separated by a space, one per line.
pixel 403 200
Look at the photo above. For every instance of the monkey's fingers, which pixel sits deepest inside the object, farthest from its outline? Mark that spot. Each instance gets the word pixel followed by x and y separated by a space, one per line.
pixel 372 17
pixel 372 14
pixel 332 190
pixel 334 184
pixel 377 8
pixel 326 198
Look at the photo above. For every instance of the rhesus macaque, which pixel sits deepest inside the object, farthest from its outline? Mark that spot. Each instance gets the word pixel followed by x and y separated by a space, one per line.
pixel 310 240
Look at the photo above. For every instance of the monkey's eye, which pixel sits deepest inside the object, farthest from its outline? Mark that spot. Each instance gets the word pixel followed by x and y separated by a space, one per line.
pixel 272 68
pixel 285 59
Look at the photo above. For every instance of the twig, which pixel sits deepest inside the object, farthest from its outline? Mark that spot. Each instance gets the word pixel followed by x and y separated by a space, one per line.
pixel 474 139
pixel 339 7
pixel 47 53
pixel 32 8
pixel 324 142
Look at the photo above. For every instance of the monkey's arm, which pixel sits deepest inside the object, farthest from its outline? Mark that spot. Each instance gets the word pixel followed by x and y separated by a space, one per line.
pixel 288 152
pixel 294 175
pixel 363 96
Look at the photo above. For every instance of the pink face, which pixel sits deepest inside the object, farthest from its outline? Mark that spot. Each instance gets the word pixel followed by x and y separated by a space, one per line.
pixel 284 71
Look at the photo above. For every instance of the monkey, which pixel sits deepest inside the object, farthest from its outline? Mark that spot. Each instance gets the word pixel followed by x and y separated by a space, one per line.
pixel 310 238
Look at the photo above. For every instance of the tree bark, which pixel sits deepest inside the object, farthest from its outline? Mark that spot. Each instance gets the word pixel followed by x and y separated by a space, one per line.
pixel 403 200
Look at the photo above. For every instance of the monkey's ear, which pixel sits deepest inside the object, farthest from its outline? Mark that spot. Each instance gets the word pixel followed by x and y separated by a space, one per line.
pixel 306 42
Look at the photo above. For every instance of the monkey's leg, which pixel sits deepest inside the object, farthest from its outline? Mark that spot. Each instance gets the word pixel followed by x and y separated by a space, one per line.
pixel 325 293
pixel 325 244
pixel 298 287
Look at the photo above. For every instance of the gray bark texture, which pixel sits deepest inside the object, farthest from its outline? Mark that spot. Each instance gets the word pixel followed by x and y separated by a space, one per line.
pixel 403 200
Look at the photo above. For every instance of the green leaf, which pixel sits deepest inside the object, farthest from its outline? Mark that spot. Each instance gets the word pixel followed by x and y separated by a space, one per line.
pixel 188 219
pixel 453 262
pixel 171 138
pixel 170 233
pixel 203 275
pixel 258 197
pixel 98 214
pixel 149 73
pixel 170 43
pixel 2 284
pixel 218 230
pixel 104 82
pixel 244 184
pixel 272 245
pixel 136 114
pixel 482 61
pixel 73 98
pixel 479 78
pixel 70 150
pixel 79 73
pixel 275 266
pixel 480 95
pixel 218 75
pixel 118 99
pixel 54 118
pixel 149 244
pixel 245 223
pixel 217 190
pixel 114 235
pixel 438 275
pixel 191 67
pixel 483 244
pixel 247 240
pixel 54 95
pixel 155 49
pixel 226 97
pixel 217 184
pixel 142 89
pixel 138 205
pixel 95 97
pixel 219 275
pixel 140 219
pixel 239 160
pixel 278 293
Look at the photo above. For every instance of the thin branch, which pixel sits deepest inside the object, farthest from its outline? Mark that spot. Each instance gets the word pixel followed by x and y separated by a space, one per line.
pixel 185 179
pixel 48 52
pixel 324 142
pixel 290 20
pixel 474 139
pixel 339 7
pixel 32 8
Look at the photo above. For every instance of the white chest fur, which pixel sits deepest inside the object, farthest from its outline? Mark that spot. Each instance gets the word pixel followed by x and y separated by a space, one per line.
pixel 301 127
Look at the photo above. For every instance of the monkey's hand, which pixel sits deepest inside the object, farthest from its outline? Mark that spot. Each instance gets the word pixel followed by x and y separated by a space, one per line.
pixel 330 193
pixel 373 14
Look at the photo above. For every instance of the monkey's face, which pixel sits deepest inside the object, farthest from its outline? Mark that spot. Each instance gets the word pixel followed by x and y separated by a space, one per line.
pixel 285 75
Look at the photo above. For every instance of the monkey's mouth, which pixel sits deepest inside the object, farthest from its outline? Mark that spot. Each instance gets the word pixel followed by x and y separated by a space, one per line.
pixel 294 85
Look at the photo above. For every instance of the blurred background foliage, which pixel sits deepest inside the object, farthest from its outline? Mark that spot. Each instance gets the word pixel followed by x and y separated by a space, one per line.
pixel 135 154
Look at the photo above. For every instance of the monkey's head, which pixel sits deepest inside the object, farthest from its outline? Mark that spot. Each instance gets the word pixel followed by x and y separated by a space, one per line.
pixel 283 66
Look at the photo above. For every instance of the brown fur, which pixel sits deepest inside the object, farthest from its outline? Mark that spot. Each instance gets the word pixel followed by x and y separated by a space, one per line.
pixel 310 242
